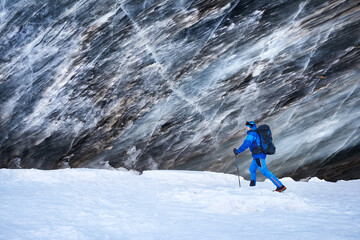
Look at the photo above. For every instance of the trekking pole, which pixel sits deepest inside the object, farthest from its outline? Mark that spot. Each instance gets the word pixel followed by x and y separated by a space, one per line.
pixel 238 171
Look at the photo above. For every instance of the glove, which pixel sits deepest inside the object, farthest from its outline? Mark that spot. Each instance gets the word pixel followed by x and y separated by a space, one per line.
pixel 235 151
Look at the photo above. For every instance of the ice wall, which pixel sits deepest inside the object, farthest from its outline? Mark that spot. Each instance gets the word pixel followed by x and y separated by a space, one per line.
pixel 169 84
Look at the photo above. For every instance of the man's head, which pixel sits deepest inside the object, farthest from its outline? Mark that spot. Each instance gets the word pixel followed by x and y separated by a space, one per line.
pixel 250 125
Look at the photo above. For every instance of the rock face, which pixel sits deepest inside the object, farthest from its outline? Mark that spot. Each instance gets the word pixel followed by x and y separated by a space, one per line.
pixel 169 84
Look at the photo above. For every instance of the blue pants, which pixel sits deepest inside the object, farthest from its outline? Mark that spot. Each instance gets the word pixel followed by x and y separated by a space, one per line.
pixel 261 165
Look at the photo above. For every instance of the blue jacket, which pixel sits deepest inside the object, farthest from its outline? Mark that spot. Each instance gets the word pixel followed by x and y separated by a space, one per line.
pixel 250 141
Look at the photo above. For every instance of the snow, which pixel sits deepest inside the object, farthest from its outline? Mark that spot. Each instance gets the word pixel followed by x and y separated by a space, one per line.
pixel 109 204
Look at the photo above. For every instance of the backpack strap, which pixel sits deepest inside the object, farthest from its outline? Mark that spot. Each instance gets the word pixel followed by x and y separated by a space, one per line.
pixel 257 148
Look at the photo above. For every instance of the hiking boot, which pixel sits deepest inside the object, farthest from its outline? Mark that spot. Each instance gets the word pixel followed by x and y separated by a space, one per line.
pixel 280 189
pixel 252 183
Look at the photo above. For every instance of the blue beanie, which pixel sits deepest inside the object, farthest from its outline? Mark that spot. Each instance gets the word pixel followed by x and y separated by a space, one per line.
pixel 250 124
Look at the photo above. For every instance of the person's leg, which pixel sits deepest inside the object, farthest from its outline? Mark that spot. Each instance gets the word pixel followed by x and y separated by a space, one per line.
pixel 252 169
pixel 264 171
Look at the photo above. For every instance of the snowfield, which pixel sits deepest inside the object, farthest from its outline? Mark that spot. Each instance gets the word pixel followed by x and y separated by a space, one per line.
pixel 108 204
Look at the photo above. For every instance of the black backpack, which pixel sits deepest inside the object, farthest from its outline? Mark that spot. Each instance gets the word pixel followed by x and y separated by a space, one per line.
pixel 266 141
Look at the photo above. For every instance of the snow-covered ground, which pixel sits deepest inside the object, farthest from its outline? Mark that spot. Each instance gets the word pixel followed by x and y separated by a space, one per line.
pixel 107 204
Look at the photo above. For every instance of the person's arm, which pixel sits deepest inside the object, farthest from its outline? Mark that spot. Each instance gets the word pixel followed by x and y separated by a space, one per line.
pixel 247 142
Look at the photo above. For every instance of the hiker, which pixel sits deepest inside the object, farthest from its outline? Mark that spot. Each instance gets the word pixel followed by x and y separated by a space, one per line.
pixel 252 141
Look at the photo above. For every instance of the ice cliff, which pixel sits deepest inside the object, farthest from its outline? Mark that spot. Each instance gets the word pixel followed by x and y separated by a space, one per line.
pixel 170 84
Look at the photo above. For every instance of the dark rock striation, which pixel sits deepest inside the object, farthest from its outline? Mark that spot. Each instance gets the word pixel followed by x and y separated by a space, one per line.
pixel 169 84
